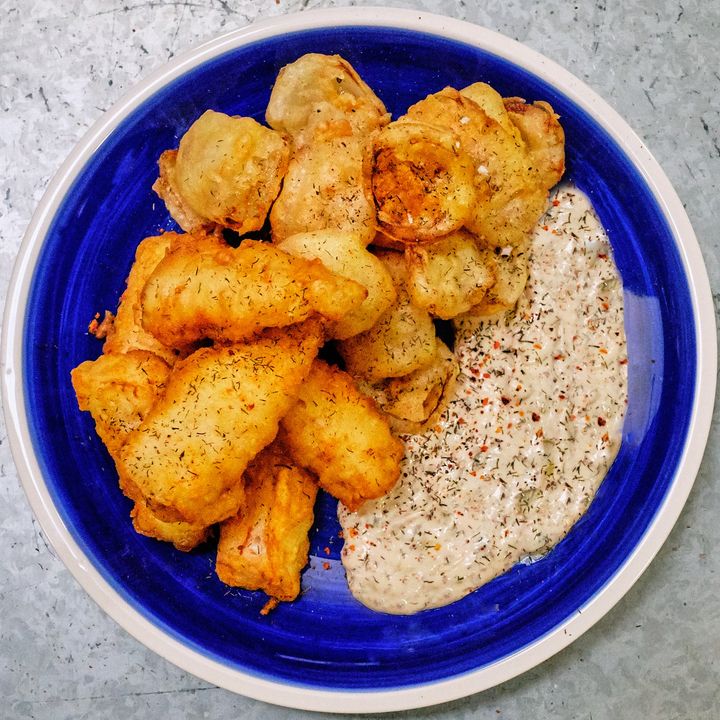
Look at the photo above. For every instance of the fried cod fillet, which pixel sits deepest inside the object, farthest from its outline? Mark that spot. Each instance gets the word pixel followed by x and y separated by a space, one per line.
pixel 265 546
pixel 221 407
pixel 119 390
pixel 211 290
pixel 126 332
pixel 338 433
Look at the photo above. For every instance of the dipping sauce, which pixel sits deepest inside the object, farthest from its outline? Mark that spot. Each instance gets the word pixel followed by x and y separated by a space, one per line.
pixel 534 426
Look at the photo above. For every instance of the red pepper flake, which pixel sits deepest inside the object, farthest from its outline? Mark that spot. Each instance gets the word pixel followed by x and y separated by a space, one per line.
pixel 546 228
pixel 561 396
pixel 535 417
pixel 505 400
pixel 496 345
pixel 558 357
pixel 473 473
pixel 340 534
pixel 605 438
pixel 250 406
pixel 601 421
pixel 326 550
pixel 624 361
pixel 537 346
pixel 484 448
pixel 555 202
pixel 484 401
pixel 461 421
pixel 602 256
pixel 539 433
pixel 605 306
pixel 486 375
pixel 604 351
pixel 326 566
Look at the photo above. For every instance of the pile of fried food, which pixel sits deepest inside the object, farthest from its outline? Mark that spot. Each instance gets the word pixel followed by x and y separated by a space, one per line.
pixel 210 395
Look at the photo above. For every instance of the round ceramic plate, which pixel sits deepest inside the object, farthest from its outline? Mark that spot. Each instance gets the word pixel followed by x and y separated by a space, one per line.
pixel 325 651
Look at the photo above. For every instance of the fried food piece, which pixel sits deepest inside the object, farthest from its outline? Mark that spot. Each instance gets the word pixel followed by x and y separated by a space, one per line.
pixel 338 433
pixel 221 407
pixel 449 276
pixel 226 171
pixel 416 401
pixel 422 181
pixel 331 115
pixel 327 186
pixel 510 268
pixel 119 391
pixel 265 546
pixel 401 341
pixel 345 254
pixel 509 199
pixel 210 290
pixel 543 136
pixel 317 91
pixel 493 104
pixel 126 332
pixel 183 535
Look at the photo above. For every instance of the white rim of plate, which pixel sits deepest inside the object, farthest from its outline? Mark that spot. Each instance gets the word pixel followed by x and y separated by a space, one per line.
pixel 308 697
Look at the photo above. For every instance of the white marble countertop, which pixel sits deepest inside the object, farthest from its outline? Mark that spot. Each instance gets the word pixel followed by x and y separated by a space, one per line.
pixel 657 653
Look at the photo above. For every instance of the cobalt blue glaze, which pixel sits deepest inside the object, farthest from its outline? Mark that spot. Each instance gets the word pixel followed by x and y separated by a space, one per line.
pixel 326 638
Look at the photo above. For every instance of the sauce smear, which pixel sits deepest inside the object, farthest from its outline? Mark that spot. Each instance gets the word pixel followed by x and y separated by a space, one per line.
pixel 520 452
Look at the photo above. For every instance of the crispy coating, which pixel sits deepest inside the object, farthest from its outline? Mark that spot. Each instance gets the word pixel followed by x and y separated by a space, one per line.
pixel 402 340
pixel 416 401
pixel 493 104
pixel 345 254
pixel 327 186
pixel 449 276
pixel 126 332
pixel 210 290
pixel 509 199
pixel 265 546
pixel 119 390
pixel 422 180
pixel 510 268
pixel 221 407
pixel 543 136
pixel 338 433
pixel 331 115
pixel 227 171
pixel 183 535
pixel 320 90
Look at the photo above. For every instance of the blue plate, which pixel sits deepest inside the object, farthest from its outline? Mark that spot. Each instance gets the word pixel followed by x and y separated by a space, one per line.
pixel 326 640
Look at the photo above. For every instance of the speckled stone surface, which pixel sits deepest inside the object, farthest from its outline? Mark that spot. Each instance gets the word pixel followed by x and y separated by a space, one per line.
pixel 657 653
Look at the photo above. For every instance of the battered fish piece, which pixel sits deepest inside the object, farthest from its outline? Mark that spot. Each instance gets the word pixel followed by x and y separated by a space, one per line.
pixel 221 407
pixel 265 546
pixel 226 171
pixel 126 332
pixel 119 391
pixel 338 433
pixel 211 290
pixel 319 90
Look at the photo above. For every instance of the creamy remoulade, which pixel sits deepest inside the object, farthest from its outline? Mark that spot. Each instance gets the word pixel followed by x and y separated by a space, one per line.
pixel 534 426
